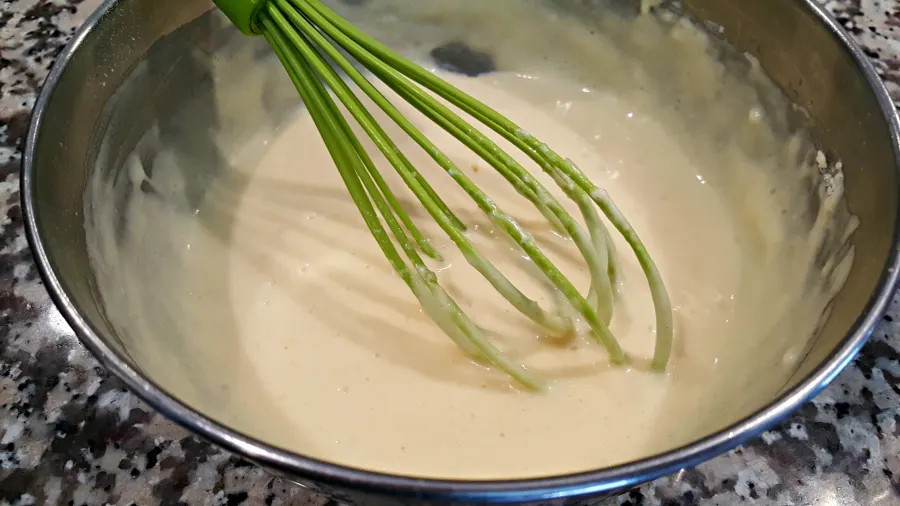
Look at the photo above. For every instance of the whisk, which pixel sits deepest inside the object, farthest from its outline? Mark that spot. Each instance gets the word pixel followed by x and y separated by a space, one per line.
pixel 313 44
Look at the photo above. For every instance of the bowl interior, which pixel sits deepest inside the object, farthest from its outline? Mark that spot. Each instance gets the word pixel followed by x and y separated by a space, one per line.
pixel 143 60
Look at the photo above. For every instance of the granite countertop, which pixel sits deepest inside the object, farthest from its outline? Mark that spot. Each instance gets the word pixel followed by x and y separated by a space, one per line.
pixel 70 434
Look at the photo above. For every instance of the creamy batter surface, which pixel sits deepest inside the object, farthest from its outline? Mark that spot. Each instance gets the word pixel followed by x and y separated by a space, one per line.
pixel 267 305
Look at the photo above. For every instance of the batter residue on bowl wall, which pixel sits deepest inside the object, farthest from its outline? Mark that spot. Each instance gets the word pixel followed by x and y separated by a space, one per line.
pixel 267 305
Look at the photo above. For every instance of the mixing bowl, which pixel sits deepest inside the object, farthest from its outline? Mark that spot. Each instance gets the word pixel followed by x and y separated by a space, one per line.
pixel 89 115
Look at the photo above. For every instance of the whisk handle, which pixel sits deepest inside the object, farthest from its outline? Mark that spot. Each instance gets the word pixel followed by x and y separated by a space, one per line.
pixel 243 13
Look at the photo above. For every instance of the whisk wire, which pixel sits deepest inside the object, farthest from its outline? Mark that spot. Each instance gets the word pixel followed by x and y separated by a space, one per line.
pixel 508 167
pixel 345 147
pixel 519 300
pixel 305 36
pixel 336 27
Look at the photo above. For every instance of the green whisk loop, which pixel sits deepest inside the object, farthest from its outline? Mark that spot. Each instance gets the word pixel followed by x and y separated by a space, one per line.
pixel 313 43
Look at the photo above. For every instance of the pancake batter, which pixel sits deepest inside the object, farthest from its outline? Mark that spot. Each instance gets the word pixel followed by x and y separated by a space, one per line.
pixel 268 306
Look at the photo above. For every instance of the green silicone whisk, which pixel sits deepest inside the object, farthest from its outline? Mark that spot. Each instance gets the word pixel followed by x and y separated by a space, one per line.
pixel 308 39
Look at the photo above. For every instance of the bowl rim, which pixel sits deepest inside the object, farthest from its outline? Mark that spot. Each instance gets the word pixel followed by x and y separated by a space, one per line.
pixel 587 483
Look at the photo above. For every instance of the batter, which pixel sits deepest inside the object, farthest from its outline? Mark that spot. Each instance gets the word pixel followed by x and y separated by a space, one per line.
pixel 268 306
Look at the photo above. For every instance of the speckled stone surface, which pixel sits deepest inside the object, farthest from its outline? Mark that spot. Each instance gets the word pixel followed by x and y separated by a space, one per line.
pixel 70 434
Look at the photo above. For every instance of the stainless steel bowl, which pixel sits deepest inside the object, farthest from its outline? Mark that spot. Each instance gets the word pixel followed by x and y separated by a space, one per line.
pixel 798 44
